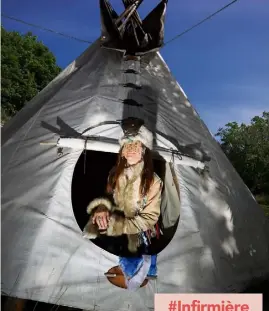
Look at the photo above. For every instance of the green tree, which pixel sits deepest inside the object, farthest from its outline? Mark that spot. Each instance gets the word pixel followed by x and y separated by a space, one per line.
pixel 27 67
pixel 247 147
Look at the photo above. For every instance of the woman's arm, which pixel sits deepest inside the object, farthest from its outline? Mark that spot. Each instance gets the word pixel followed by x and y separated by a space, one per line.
pixel 99 210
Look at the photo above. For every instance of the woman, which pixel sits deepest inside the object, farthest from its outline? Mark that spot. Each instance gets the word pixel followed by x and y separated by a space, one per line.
pixel 134 208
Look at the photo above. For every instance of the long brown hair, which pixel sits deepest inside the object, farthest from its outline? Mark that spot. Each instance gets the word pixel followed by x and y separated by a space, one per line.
pixel 147 173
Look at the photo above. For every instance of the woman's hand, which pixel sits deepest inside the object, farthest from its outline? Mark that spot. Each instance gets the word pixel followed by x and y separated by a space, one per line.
pixel 101 219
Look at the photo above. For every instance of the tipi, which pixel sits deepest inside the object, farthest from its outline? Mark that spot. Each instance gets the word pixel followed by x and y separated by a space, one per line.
pixel 70 130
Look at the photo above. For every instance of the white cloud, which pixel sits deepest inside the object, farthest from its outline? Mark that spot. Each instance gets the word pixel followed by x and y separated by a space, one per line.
pixel 218 117
pixel 234 102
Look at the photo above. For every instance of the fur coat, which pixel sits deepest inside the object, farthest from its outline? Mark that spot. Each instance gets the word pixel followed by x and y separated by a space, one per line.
pixel 130 213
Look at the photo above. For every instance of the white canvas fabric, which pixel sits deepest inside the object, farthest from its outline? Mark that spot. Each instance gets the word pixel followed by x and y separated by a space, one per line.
pixel 222 238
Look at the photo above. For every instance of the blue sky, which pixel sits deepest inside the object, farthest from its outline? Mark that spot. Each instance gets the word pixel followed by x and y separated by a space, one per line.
pixel 222 65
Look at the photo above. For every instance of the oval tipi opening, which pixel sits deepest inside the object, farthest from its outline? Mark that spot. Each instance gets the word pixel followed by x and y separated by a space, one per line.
pixel 89 182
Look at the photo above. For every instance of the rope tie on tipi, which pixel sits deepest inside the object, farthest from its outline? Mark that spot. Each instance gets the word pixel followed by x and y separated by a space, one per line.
pixel 85 154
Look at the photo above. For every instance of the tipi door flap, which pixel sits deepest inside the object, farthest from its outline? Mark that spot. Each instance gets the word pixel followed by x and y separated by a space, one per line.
pixel 170 206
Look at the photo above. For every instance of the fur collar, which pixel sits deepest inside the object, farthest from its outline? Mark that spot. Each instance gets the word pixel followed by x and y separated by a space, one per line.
pixel 133 172
pixel 127 197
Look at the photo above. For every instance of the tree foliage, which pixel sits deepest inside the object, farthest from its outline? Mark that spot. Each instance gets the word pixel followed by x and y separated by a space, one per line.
pixel 247 147
pixel 27 67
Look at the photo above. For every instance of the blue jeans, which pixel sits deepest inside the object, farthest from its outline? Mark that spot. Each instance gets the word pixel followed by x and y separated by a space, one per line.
pixel 130 265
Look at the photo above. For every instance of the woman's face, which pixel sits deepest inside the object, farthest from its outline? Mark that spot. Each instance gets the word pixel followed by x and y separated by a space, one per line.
pixel 132 152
